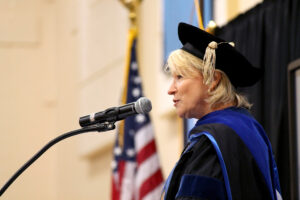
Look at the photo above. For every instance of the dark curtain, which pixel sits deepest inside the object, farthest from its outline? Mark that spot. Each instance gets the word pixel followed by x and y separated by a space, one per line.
pixel 269 36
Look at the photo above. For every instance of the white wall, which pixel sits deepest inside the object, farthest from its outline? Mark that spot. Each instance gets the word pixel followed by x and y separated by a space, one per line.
pixel 60 60
pixel 29 103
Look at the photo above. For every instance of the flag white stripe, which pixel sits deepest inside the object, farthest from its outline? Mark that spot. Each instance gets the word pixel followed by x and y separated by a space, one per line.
pixel 154 194
pixel 151 165
pixel 127 183
pixel 143 137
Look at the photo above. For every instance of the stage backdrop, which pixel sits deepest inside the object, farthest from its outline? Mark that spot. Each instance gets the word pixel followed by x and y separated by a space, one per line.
pixel 268 35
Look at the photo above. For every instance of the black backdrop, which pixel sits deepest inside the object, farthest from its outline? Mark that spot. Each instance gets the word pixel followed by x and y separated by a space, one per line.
pixel 269 36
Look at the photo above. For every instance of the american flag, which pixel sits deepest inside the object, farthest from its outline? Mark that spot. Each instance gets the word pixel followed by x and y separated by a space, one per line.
pixel 136 170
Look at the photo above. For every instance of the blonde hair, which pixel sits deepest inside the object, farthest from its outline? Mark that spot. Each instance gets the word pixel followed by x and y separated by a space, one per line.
pixel 185 64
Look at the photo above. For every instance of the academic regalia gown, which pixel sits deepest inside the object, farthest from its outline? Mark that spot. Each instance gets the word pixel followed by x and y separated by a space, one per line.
pixel 228 156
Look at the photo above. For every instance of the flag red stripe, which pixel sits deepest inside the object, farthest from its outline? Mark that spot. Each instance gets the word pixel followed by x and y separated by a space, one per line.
pixel 146 152
pixel 117 185
pixel 151 183
pixel 115 195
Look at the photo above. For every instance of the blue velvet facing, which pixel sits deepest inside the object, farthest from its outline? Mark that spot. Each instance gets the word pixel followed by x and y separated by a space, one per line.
pixel 257 142
pixel 201 187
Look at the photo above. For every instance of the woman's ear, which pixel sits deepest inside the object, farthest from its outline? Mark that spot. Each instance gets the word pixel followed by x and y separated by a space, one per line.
pixel 216 80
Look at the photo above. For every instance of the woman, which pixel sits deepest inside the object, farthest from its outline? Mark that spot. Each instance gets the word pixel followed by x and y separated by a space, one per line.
pixel 228 155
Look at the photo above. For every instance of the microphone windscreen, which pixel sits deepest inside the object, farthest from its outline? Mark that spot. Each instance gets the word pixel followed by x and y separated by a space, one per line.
pixel 143 105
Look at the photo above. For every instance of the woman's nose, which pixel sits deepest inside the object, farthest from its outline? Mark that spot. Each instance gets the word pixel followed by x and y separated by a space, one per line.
pixel 172 89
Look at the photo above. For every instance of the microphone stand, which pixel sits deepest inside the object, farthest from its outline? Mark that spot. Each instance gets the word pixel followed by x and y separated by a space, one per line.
pixel 100 127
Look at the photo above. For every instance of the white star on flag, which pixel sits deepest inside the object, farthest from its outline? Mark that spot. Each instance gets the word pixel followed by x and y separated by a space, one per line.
pixel 136 92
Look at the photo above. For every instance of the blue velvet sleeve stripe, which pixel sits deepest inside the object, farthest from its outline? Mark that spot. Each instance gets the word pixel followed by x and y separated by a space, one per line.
pixel 201 187
pixel 193 140
pixel 167 182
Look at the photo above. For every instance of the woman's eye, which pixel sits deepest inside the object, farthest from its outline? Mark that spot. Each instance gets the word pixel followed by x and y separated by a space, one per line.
pixel 178 76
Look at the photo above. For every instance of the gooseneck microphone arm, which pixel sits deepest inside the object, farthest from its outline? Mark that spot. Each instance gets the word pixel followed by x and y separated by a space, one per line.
pixel 101 121
pixel 101 127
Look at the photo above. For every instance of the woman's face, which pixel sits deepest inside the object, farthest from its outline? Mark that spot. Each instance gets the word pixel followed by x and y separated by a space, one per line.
pixel 189 96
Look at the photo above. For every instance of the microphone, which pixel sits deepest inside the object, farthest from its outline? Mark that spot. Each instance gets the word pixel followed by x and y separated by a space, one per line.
pixel 141 106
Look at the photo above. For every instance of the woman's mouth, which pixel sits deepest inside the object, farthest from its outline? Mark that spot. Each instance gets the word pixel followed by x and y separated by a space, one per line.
pixel 175 102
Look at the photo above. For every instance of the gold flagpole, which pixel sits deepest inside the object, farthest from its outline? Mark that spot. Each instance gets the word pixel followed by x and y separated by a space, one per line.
pixel 199 14
pixel 211 25
pixel 132 6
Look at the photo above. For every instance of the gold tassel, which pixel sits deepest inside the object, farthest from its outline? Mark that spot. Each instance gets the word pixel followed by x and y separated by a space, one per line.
pixel 209 61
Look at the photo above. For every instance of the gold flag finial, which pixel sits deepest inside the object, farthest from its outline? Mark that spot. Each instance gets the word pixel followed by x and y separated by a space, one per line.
pixel 132 6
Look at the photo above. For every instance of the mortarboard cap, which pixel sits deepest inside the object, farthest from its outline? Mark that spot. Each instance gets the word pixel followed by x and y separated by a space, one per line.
pixel 238 69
